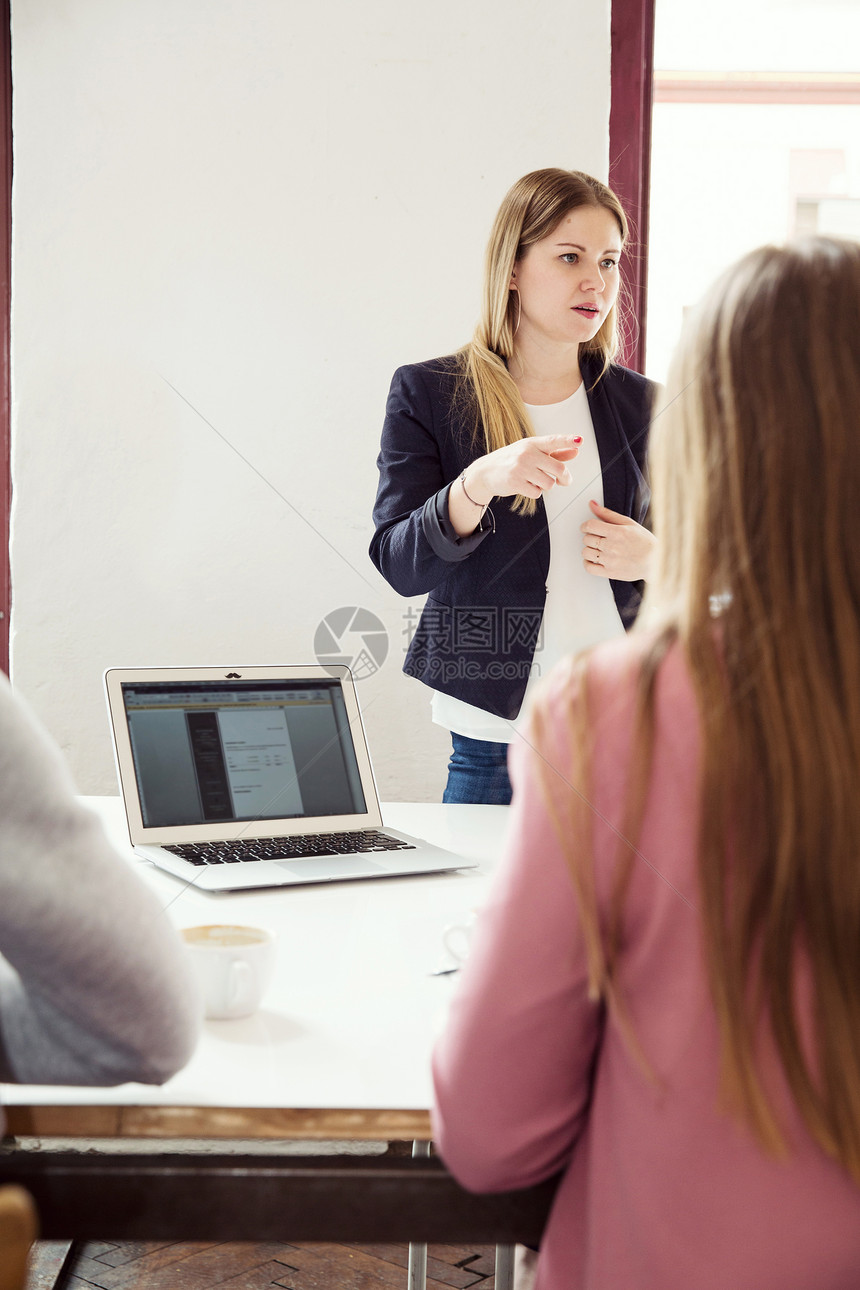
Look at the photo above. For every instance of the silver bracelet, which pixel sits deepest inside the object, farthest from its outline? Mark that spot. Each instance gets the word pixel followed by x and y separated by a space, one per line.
pixel 481 505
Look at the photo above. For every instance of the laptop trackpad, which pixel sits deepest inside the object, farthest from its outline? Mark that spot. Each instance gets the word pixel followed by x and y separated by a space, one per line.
pixel 330 867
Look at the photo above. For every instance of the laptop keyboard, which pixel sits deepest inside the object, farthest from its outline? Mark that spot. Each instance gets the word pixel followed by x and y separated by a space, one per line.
pixel 295 848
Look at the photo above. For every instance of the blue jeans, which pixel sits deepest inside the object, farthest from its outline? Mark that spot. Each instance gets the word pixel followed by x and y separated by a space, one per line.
pixel 478 772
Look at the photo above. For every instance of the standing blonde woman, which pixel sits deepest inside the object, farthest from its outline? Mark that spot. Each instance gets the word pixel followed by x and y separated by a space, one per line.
pixel 663 997
pixel 511 475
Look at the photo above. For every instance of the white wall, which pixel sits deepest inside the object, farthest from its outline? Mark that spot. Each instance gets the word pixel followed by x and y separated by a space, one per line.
pixel 232 220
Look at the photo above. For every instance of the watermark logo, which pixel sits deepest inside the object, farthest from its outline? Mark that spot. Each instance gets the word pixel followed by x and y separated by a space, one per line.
pixel 353 636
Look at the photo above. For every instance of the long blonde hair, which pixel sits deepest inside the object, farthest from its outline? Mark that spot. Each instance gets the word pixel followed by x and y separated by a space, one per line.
pixel 534 206
pixel 755 463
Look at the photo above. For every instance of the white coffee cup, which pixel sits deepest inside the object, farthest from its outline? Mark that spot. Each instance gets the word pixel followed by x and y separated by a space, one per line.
pixel 233 966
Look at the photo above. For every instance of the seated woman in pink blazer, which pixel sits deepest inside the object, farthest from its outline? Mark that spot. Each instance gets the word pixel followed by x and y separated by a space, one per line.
pixel 663 995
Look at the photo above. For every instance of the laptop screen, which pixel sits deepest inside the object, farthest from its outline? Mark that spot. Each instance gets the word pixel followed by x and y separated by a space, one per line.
pixel 209 752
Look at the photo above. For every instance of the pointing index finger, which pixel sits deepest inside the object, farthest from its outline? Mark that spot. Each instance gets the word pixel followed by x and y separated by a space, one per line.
pixel 555 442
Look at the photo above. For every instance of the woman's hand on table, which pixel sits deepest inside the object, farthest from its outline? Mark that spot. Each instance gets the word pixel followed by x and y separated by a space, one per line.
pixel 614 546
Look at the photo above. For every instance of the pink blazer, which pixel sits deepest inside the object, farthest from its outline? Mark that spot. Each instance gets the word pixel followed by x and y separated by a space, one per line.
pixel 661 1189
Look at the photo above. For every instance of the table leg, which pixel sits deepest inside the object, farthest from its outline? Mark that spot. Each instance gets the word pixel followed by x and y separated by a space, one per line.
pixel 50 1264
pixel 417 1279
pixel 504 1267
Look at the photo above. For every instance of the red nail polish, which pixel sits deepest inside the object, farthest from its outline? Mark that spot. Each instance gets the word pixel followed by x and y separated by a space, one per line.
pixel 578 439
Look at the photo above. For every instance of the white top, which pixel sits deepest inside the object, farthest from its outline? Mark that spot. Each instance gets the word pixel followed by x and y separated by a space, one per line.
pixel 580 608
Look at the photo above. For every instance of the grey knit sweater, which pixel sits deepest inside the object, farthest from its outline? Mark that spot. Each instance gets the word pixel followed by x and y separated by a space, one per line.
pixel 94 983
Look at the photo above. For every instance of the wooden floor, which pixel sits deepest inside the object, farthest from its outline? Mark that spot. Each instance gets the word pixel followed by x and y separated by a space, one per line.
pixel 196 1266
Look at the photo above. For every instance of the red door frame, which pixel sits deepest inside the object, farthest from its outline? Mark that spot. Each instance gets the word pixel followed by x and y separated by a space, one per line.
pixel 632 27
pixel 632 81
pixel 5 309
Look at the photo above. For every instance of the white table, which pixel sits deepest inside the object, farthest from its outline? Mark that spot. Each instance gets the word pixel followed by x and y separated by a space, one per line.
pixel 340 1048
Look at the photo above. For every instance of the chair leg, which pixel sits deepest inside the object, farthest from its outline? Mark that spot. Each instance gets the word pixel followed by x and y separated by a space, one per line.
pixel 504 1267
pixel 417 1279
pixel 18 1230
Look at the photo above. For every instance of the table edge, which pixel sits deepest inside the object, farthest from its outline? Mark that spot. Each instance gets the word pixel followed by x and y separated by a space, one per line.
pixel 123 1121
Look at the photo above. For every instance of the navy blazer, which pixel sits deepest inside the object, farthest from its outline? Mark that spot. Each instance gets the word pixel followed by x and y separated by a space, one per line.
pixel 486 592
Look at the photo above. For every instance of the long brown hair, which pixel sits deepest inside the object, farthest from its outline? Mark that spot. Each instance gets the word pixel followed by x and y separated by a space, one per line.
pixel 755 463
pixel 533 207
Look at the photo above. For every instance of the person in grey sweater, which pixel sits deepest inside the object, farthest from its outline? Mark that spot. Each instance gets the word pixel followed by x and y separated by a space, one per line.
pixel 95 986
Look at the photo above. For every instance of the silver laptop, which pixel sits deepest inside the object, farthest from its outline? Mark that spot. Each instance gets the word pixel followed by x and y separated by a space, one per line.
pixel 235 778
